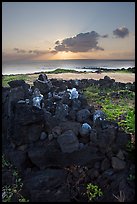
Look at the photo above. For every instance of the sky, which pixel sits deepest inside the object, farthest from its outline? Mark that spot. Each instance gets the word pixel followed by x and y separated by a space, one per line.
pixel 68 30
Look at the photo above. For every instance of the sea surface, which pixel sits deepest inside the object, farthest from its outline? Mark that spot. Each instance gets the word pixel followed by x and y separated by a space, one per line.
pixel 50 65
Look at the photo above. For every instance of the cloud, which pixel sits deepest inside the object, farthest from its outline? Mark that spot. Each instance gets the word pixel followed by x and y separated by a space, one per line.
pixel 104 36
pixel 19 50
pixel 32 52
pixel 121 32
pixel 83 42
pixel 22 54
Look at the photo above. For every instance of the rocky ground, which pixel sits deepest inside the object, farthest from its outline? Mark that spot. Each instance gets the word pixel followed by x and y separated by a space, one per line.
pixel 60 144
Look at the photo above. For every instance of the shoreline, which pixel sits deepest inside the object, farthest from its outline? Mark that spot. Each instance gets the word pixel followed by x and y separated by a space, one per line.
pixel 119 77
pixel 30 78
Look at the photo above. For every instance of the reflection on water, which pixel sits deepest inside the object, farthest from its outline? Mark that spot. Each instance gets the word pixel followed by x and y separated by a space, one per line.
pixel 49 65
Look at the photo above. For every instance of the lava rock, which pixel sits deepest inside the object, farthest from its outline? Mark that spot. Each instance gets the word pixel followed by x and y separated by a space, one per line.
pixel 44 184
pixel 61 111
pixel 43 136
pixel 16 83
pixel 118 164
pixel 83 115
pixel 70 125
pixel 68 142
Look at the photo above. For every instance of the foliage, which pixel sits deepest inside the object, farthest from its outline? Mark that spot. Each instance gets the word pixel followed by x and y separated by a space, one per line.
pixel 131 177
pixel 5 163
pixel 8 191
pixel 119 109
pixel 57 71
pixel 130 146
pixel 93 191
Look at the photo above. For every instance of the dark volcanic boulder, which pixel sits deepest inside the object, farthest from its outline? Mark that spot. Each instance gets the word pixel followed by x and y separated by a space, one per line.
pixel 50 155
pixel 27 124
pixel 68 141
pixel 69 125
pixel 83 115
pixel 76 104
pixel 47 186
pixel 61 111
pixel 43 77
pixel 104 139
pixel 44 85
pixel 16 157
pixel 106 82
pixel 16 83
pixel 118 164
pixel 5 95
pixel 49 121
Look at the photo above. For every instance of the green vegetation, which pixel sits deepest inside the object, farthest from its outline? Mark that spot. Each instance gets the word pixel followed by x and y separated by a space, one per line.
pixel 130 147
pixel 13 190
pixel 5 163
pixel 122 70
pixel 93 191
pixel 58 71
pixel 8 78
pixel 119 109
pixel 131 177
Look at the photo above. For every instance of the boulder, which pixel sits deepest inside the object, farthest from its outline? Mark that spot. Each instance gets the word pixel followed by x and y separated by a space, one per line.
pixel 16 157
pixel 98 115
pixel 76 104
pixel 85 129
pixel 122 139
pixel 27 124
pixel 49 121
pixel 83 115
pixel 50 155
pixel 16 83
pixel 43 136
pixel 43 86
pixel 61 111
pixel 42 77
pixel 68 142
pixel 118 164
pixel 105 164
pixel 69 125
pixel 47 186
pixel 104 139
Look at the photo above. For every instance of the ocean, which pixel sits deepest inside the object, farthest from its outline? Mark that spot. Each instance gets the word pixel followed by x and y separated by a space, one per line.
pixel 50 65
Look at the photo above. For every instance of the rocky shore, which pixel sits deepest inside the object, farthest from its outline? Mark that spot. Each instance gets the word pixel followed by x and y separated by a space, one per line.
pixel 59 143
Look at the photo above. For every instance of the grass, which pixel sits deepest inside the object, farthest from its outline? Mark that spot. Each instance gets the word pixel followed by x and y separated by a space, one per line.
pixel 8 78
pixel 120 110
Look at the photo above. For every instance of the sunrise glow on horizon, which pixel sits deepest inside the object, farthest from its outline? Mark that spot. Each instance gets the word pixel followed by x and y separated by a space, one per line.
pixel 68 30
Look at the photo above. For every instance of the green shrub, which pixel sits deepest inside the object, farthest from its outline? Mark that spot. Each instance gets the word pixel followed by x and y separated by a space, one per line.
pixel 93 191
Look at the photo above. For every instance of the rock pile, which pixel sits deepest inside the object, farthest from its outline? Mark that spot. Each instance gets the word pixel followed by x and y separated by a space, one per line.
pixel 50 126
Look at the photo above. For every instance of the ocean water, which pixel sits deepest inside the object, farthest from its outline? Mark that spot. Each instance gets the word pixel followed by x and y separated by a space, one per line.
pixel 50 65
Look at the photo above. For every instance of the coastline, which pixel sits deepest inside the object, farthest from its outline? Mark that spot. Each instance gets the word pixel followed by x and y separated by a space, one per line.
pixel 119 77
pixel 123 77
